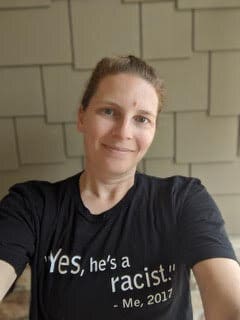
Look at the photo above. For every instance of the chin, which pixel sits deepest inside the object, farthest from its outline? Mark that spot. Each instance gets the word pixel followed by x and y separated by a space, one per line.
pixel 118 169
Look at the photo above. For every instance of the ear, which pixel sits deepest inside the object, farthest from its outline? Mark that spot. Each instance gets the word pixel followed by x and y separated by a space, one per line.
pixel 80 120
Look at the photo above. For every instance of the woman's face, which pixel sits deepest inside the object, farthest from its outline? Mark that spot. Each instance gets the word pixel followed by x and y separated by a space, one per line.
pixel 119 123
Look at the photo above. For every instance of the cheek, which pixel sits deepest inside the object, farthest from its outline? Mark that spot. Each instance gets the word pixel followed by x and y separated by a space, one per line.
pixel 145 140
pixel 97 130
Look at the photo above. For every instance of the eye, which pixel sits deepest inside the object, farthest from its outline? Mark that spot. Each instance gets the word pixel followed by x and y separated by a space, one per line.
pixel 108 111
pixel 142 119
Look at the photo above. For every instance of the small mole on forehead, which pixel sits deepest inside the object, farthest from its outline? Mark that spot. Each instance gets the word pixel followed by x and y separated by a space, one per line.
pixel 135 103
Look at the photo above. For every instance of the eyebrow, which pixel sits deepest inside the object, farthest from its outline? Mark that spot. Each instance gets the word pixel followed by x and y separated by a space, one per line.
pixel 117 105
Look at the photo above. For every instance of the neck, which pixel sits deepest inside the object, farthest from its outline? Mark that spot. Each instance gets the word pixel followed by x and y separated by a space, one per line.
pixel 105 187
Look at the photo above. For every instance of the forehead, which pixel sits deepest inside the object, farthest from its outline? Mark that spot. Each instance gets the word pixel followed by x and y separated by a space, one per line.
pixel 128 88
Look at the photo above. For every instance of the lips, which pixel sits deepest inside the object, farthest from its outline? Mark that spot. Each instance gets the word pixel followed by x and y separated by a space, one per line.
pixel 121 149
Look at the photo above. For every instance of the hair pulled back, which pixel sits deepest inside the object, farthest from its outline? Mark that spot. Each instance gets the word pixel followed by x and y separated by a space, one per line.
pixel 123 64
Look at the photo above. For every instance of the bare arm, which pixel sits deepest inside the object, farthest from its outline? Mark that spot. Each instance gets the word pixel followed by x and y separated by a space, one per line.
pixel 218 280
pixel 7 277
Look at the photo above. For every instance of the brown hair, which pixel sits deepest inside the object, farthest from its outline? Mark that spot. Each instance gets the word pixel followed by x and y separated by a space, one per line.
pixel 123 64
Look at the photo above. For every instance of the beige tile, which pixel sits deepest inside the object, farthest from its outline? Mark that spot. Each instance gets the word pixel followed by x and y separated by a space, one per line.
pixel 201 138
pixel 35 36
pixel 39 142
pixel 165 168
pixel 24 3
pixel 229 206
pixel 196 304
pixel 144 0
pixel 8 154
pixel 235 240
pixel 220 178
pixel 217 29
pixel 225 79
pixel 24 281
pixel 197 4
pixel 48 172
pixel 103 28
pixel 166 32
pixel 186 82
pixel 74 139
pixel 64 88
pixel 193 283
pixel 198 315
pixel 163 143
pixel 16 303
pixel 20 92
pixel 140 166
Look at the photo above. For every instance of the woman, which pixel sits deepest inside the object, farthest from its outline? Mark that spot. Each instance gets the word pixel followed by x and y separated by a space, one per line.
pixel 110 242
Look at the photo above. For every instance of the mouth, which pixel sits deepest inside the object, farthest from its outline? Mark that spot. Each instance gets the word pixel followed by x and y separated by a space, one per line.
pixel 118 149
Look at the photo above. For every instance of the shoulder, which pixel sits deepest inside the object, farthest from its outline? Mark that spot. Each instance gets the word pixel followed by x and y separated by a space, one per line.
pixel 172 192
pixel 33 192
pixel 175 184
pixel 37 185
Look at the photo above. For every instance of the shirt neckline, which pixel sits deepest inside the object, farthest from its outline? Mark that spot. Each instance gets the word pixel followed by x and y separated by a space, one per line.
pixel 108 214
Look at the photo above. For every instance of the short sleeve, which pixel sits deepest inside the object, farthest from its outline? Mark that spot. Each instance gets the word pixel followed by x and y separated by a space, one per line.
pixel 16 228
pixel 201 227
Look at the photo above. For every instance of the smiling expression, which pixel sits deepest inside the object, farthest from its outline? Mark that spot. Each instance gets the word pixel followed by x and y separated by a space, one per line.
pixel 119 123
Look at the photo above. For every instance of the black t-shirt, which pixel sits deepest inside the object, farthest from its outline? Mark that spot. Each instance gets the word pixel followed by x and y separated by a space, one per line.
pixel 131 262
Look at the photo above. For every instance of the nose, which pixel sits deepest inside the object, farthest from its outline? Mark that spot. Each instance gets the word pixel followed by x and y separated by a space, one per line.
pixel 122 129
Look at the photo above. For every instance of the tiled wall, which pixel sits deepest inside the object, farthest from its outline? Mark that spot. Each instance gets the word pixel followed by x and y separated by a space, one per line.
pixel 47 51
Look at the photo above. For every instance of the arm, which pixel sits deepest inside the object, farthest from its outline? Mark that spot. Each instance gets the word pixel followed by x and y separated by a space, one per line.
pixel 7 277
pixel 218 280
pixel 17 234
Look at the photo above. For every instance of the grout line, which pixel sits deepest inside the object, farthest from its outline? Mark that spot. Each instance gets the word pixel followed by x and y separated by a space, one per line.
pixel 190 169
pixel 82 161
pixel 22 116
pixel 140 31
pixel 71 31
pixel 175 5
pixel 64 139
pixel 32 164
pixel 193 30
pixel 16 8
pixel 16 141
pixel 238 138
pixel 209 83
pixel 144 165
pixel 175 137
pixel 36 65
pixel 44 99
